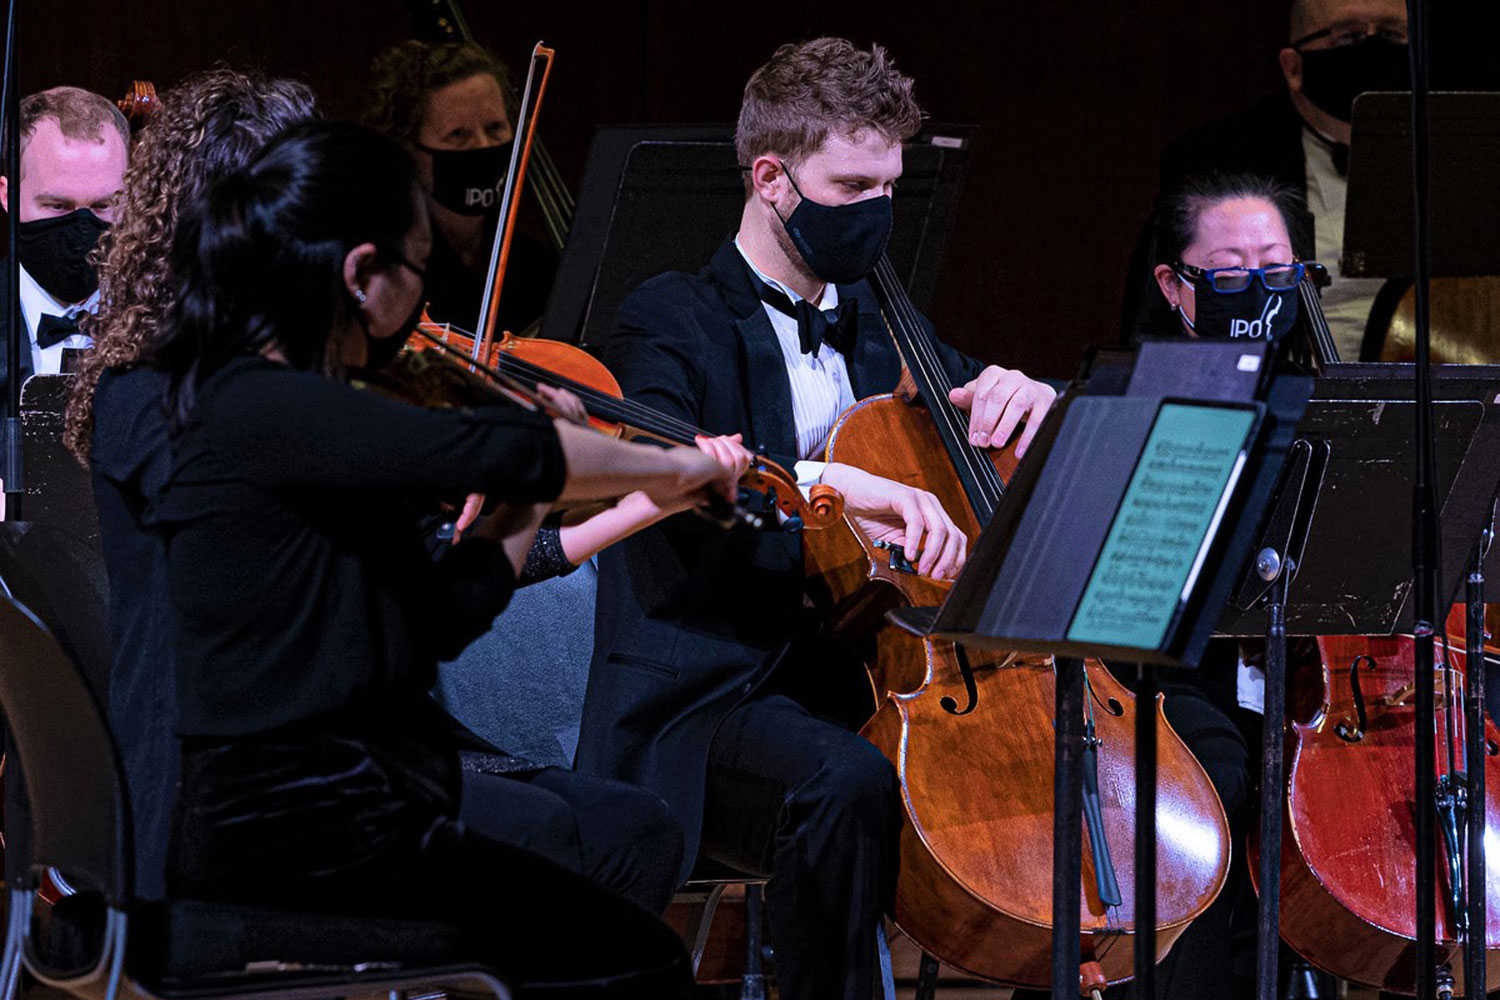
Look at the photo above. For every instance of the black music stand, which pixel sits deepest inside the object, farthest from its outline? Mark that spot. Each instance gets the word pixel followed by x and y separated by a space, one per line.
pixel 1346 483
pixel 1122 535
pixel 1464 137
pixel 661 198
pixel 1338 486
pixel 1462 189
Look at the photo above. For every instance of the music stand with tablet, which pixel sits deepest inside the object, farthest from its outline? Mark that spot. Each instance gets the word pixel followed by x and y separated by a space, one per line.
pixel 1121 535
pixel 661 198
pixel 1327 475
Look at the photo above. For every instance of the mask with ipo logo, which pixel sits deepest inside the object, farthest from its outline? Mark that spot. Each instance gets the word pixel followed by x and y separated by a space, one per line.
pixel 469 181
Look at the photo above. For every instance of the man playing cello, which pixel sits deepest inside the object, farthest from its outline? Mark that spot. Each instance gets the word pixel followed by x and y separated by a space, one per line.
pixel 704 684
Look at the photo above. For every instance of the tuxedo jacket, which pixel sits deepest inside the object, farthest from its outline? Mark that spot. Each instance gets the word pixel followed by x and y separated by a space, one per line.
pixel 692 618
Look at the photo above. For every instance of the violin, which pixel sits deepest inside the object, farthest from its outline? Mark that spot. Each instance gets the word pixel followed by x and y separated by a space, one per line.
pixel 971 733
pixel 523 364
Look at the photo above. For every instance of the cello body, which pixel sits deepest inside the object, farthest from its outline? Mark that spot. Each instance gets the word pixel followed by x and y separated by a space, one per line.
pixel 975 886
pixel 1347 861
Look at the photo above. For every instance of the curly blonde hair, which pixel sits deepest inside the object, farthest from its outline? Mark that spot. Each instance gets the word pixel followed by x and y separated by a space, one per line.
pixel 827 85
pixel 208 125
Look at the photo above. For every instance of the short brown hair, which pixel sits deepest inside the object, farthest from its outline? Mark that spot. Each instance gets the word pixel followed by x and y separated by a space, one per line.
pixel 80 114
pixel 826 85
pixel 406 73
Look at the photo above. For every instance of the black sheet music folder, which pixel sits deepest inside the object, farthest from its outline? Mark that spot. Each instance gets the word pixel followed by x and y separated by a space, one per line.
pixel 1146 481
pixel 1107 548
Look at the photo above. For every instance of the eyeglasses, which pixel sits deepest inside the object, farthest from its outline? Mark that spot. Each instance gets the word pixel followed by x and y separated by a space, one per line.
pixel 1353 32
pixel 1229 280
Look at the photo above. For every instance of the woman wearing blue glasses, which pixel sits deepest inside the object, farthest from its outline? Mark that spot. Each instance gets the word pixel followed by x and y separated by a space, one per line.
pixel 1224 259
pixel 1225 269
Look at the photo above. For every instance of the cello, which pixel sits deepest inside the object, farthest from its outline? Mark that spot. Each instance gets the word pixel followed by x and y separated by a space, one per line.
pixel 1347 899
pixel 971 735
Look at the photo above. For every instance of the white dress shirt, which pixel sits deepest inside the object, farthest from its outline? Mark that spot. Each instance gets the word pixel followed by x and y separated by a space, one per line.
pixel 820 383
pixel 1346 301
pixel 36 303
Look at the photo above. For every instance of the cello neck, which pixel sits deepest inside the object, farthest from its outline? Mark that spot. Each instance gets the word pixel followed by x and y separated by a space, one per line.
pixel 919 352
pixel 1325 351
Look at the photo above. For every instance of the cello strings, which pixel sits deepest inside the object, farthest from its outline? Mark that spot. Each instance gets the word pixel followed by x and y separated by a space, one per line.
pixel 924 348
pixel 918 361
pixel 927 365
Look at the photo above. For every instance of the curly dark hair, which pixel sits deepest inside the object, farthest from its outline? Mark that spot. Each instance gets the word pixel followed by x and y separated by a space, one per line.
pixel 258 263
pixel 208 125
pixel 406 73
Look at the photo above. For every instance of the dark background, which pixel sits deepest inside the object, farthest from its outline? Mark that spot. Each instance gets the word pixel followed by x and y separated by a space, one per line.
pixel 1074 102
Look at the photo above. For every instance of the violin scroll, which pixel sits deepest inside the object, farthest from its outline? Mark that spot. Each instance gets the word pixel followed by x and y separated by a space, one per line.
pixel 139 103
pixel 822 508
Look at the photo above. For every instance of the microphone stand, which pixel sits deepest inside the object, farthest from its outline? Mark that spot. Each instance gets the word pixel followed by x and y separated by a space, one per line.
pixel 15 332
pixel 1424 533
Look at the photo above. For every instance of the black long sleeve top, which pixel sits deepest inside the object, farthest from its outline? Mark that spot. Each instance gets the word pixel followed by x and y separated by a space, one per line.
pixel 298 576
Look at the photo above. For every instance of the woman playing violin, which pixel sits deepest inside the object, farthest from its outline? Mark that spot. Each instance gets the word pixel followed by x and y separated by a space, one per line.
pixel 309 614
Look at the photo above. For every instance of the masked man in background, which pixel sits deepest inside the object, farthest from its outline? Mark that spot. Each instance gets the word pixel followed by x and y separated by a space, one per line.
pixel 74 149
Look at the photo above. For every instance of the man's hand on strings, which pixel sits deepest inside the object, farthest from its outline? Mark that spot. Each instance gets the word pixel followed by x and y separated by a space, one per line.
pixel 998 401
pixel 892 512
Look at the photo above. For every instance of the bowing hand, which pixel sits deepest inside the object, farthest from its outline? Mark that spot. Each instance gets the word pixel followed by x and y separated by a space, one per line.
pixel 998 401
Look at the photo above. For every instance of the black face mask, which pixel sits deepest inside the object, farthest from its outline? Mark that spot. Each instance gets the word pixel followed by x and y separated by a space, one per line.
pixel 1254 314
pixel 1332 78
pixel 840 243
pixel 381 351
pixel 55 252
pixel 469 181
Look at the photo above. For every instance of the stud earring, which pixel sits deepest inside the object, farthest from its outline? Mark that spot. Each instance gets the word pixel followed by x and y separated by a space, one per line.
pixel 359 294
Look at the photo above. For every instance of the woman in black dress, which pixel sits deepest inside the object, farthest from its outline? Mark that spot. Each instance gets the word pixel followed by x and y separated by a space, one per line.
pixel 309 612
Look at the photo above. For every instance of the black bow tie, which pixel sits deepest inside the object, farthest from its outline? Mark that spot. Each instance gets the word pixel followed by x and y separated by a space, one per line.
pixel 837 326
pixel 54 330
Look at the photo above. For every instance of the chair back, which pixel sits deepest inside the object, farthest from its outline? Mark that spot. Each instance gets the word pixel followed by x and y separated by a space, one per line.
pixel 79 813
pixel 61 578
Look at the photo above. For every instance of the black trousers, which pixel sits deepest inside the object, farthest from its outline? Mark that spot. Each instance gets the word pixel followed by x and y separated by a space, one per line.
pixel 621 836
pixel 816 808
pixel 305 819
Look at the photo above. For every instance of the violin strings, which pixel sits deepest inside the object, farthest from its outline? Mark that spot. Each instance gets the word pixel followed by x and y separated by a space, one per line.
pixel 636 414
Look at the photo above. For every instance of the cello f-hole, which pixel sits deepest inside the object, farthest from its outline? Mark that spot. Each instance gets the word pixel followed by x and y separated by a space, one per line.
pixel 971 690
pixel 1355 733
